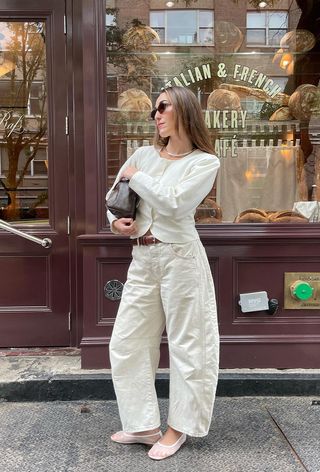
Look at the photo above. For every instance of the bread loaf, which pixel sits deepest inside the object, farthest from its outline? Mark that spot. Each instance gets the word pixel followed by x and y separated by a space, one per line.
pixel 287 216
pixel 223 100
pixel 140 37
pixel 305 101
pixel 255 215
pixel 252 215
pixel 134 104
pixel 228 37
pixel 298 41
pixel 282 114
pixel 258 94
pixel 208 209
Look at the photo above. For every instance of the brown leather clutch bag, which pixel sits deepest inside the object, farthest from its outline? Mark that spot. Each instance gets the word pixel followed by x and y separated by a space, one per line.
pixel 123 201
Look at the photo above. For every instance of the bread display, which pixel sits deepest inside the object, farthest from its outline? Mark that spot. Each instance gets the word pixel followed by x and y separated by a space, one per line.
pixel 282 114
pixel 208 212
pixel 223 100
pixel 227 36
pixel 305 101
pixel 258 94
pixel 256 215
pixel 298 41
pixel 134 104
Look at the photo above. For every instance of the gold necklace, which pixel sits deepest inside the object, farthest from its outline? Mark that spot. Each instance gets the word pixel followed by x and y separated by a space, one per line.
pixel 178 155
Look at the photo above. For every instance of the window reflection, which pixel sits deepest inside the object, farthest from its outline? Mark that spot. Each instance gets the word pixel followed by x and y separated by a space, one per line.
pixel 23 122
pixel 183 27
pixel 257 79
pixel 266 28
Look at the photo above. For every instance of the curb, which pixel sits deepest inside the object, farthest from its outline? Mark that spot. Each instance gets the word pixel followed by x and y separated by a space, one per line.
pixel 100 387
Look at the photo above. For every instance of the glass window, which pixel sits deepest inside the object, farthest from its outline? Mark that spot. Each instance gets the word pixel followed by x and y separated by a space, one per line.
pixel 256 20
pixel 23 121
pixel 183 26
pixel 157 21
pixel 261 105
pixel 256 37
pixel 266 28
pixel 277 19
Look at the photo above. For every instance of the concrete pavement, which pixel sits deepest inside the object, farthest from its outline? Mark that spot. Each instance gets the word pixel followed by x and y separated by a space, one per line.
pixel 265 434
pixel 55 417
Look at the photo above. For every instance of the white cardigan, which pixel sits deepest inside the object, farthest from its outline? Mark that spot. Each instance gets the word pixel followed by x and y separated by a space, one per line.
pixel 170 192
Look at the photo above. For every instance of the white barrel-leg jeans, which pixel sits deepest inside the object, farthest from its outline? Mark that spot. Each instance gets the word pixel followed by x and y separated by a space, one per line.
pixel 168 285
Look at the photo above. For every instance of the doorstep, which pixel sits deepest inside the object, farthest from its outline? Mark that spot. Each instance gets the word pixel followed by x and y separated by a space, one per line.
pixel 58 376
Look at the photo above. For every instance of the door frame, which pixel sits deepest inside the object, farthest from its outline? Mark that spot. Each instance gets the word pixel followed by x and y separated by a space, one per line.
pixel 74 106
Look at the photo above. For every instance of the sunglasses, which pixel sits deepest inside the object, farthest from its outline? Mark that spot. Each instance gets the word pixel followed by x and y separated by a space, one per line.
pixel 160 108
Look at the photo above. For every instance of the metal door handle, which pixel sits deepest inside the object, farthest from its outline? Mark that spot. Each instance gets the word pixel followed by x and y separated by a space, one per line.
pixel 46 242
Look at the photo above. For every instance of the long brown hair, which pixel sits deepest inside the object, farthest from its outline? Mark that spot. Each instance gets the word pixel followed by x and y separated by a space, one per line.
pixel 188 115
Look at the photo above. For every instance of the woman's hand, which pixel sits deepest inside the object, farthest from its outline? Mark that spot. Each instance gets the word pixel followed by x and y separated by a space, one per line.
pixel 125 226
pixel 129 172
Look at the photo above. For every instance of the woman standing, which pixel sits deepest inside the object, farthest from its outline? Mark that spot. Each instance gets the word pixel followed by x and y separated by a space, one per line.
pixel 169 283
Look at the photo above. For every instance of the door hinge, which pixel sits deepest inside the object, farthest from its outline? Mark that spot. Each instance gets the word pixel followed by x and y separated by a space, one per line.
pixel 67 125
pixel 68 225
pixel 64 24
pixel 69 320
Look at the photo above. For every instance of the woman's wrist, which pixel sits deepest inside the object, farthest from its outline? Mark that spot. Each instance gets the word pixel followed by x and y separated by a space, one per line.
pixel 113 227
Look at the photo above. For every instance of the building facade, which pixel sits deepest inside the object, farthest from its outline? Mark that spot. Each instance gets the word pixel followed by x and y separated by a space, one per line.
pixel 78 80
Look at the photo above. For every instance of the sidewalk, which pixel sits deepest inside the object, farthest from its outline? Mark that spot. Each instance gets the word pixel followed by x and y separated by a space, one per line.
pixel 266 434
pixel 60 377
pixel 55 417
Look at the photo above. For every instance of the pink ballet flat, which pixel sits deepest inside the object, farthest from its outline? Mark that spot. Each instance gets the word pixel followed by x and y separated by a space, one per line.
pixel 161 451
pixel 129 438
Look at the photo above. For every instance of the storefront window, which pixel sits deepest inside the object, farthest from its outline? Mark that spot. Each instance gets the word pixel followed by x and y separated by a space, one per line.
pixel 23 116
pixel 255 72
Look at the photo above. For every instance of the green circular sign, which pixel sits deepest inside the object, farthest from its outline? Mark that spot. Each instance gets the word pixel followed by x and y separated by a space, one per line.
pixel 302 290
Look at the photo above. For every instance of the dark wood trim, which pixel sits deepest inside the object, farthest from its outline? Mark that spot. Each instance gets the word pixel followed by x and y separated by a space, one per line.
pixel 76 160
pixel 93 89
pixel 274 339
pixel 270 355
pixel 231 234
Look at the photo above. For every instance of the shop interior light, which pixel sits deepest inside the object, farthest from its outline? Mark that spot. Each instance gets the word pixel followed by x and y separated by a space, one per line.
pixel 170 4
pixel 286 60
pixel 263 4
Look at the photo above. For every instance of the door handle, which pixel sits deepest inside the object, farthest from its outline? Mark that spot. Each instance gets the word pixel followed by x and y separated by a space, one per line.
pixel 46 242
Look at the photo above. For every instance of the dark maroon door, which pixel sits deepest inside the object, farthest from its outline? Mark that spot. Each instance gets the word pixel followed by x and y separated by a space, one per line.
pixel 34 285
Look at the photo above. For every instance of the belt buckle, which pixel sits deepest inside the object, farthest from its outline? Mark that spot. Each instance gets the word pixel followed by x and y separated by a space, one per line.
pixel 151 239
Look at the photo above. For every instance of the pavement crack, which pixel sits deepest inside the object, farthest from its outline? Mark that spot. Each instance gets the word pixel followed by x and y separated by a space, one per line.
pixel 294 452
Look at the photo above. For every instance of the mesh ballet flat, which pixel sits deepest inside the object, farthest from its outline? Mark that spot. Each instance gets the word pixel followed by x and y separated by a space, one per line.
pixel 161 451
pixel 129 438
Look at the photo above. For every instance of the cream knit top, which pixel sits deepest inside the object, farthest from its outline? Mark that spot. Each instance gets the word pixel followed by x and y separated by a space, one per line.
pixel 170 192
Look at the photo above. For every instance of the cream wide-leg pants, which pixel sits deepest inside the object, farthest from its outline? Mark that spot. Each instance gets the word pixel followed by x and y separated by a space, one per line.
pixel 168 285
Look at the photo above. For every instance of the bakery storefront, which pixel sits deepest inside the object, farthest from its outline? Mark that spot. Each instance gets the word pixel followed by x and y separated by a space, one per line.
pixel 78 80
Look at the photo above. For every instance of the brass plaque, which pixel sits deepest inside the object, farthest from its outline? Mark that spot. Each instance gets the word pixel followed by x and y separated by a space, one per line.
pixel 308 282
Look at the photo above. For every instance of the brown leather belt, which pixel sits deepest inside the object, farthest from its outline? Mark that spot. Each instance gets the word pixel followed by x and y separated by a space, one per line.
pixel 145 240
